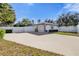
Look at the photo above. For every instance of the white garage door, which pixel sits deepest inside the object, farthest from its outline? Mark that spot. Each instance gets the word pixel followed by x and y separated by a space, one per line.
pixel 41 28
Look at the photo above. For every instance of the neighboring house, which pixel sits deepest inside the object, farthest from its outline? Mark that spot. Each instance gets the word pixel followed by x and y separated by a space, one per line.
pixel 44 27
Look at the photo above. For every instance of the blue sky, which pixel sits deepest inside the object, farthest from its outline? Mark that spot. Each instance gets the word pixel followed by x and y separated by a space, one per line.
pixel 35 11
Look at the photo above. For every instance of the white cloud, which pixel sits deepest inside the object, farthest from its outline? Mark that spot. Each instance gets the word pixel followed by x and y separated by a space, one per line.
pixel 72 7
pixel 69 7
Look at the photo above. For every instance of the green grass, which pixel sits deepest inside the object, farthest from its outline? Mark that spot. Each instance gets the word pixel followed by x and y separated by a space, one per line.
pixel 67 33
pixel 8 48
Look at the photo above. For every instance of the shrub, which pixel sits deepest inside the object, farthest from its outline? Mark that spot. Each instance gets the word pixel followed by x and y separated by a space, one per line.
pixel 2 32
pixel 9 31
pixel 53 30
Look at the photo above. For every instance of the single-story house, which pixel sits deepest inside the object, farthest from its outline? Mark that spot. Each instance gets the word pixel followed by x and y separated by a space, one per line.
pixel 45 27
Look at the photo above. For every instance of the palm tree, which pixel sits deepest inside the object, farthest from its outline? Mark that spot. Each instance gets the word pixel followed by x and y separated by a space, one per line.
pixel 39 21
pixel 68 19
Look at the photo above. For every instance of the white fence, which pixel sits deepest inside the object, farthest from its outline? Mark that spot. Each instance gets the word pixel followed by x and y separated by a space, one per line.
pixel 20 29
pixel 24 29
pixel 68 29
pixel 78 28
pixel 32 29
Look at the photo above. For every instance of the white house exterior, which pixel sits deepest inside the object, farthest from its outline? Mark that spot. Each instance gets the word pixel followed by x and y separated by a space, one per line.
pixel 45 27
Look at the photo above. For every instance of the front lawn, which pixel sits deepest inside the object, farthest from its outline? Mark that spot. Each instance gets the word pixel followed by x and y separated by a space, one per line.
pixel 8 48
pixel 67 33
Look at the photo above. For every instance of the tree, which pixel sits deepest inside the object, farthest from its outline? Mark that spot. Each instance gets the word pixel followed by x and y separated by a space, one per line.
pixel 39 21
pixel 24 22
pixel 49 21
pixel 46 20
pixel 7 14
pixel 18 24
pixel 68 19
pixel 32 21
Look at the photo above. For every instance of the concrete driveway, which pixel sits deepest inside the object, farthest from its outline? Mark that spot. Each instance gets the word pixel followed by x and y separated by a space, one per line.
pixel 66 45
